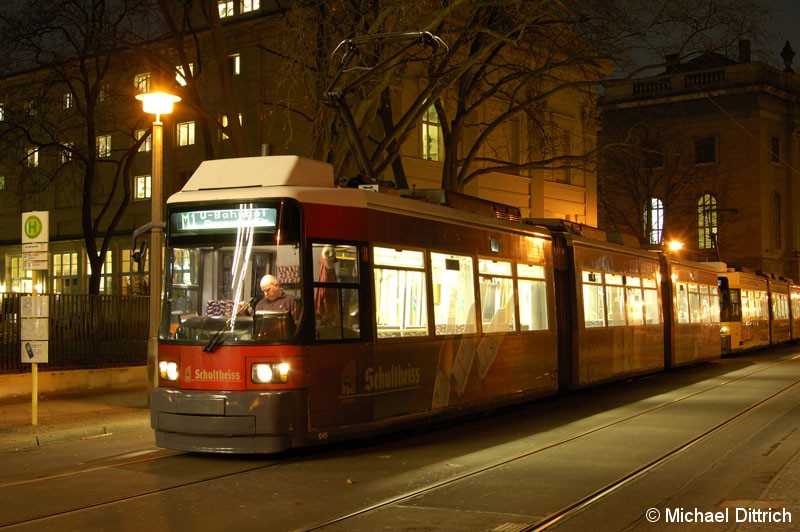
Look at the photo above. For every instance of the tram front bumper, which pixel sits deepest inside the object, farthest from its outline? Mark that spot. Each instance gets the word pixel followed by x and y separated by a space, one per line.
pixel 225 422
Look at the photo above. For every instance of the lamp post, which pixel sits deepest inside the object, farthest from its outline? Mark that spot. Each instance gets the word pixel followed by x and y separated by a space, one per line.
pixel 157 103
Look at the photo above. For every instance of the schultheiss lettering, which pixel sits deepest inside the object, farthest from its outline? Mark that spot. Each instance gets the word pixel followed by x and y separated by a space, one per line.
pixel 396 376
pixel 216 375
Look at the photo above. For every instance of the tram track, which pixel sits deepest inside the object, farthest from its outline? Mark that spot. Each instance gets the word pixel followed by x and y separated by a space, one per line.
pixel 548 521
pixel 597 495
pixel 122 499
pixel 94 469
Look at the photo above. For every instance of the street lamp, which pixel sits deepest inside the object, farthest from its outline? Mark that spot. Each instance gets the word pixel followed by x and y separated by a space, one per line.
pixel 674 246
pixel 157 103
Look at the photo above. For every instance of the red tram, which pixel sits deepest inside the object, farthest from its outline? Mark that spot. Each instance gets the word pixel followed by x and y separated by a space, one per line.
pixel 392 311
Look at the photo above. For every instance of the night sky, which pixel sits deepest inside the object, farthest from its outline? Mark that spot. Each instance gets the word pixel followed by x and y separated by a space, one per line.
pixel 786 25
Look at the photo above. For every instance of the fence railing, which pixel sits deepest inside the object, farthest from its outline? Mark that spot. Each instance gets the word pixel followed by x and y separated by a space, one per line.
pixel 86 332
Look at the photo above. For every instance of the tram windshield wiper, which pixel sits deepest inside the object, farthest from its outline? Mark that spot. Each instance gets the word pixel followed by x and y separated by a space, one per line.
pixel 216 339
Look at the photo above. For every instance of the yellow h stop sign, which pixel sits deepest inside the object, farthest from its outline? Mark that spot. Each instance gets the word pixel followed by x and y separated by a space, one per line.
pixel 34 227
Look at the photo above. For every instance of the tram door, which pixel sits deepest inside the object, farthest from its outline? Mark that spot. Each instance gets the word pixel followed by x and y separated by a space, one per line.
pixel 340 354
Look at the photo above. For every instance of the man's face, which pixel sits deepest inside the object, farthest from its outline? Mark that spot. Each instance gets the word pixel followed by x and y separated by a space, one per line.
pixel 271 290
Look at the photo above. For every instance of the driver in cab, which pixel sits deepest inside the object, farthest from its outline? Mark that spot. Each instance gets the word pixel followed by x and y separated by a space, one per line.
pixel 275 299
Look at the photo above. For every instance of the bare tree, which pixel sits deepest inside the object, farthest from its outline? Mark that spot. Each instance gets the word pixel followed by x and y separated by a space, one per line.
pixel 60 118
pixel 504 64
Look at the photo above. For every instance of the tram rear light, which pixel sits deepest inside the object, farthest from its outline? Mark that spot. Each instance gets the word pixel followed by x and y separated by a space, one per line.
pixel 168 370
pixel 270 373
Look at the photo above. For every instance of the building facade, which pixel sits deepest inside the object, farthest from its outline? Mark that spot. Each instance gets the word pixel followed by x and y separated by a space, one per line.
pixel 707 153
pixel 51 176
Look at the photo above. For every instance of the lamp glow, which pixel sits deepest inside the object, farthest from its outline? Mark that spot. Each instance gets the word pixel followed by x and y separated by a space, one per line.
pixel 158 103
pixel 674 245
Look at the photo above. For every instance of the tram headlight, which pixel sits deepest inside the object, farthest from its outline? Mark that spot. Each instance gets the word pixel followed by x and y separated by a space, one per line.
pixel 723 330
pixel 270 373
pixel 168 370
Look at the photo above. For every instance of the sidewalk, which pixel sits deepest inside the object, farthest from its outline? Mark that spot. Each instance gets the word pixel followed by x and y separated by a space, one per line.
pixel 71 417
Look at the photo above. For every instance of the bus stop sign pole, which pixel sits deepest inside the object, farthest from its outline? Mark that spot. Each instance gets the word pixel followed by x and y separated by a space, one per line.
pixel 34 309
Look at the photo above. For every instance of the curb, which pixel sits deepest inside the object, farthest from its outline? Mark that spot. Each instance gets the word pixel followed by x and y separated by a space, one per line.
pixel 21 442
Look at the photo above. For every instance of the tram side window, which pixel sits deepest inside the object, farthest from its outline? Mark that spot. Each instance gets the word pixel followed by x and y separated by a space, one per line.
pixel 594 308
pixel 633 291
pixel 747 305
pixel 532 288
pixel 757 303
pixel 694 303
pixel 615 300
pixel 336 291
pixel 713 302
pixel 731 305
pixel 652 315
pixel 763 305
pixel 400 301
pixel 705 305
pixel 795 306
pixel 453 294
pixel 186 268
pixel 497 296
pixel 754 305
pixel 780 307
pixel 682 302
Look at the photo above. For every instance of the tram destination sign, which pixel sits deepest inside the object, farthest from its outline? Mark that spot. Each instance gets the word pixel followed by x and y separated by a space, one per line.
pixel 214 219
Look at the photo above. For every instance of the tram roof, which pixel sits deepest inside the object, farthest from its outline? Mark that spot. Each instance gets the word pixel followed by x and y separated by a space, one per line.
pixel 311 181
pixel 257 172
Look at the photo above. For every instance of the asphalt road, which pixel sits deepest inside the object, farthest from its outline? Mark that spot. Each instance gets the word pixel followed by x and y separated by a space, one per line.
pixel 653 454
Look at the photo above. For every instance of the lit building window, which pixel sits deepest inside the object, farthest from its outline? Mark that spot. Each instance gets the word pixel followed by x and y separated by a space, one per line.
pixel 2 112
pixel 186 134
pixel 225 8
pixel 2 182
pixel 654 220
pixel 142 187
pixel 235 62
pixel 147 145
pixel 431 132
pixel 66 153
pixel 105 273
pixel 104 145
pixel 29 107
pixel 21 279
pixel 224 121
pixel 105 92
pixel 707 222
pixel 141 82
pixel 65 273
pixel 134 280
pixel 247 6
pixel 32 157
pixel 180 75
pixel 67 100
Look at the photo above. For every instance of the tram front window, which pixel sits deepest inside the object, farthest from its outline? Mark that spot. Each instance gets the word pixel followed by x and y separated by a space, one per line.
pixel 231 283
pixel 217 291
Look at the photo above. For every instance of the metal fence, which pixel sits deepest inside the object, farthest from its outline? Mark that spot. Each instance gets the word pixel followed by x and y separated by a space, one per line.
pixel 86 332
